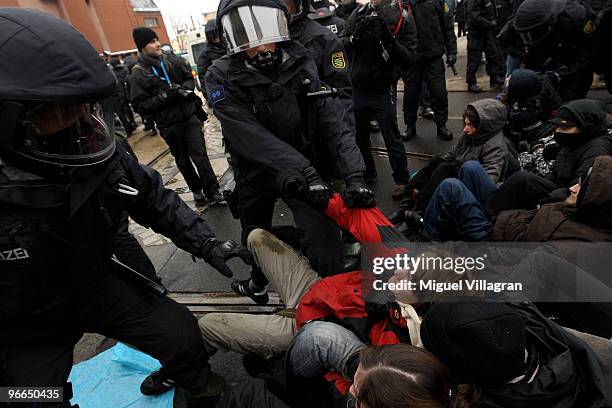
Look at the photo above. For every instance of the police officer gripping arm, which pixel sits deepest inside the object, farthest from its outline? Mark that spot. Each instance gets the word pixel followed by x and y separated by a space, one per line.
pixel 64 187
pixel 262 93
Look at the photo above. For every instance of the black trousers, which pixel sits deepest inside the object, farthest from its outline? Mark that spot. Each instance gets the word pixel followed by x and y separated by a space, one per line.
pixel 125 312
pixel 433 72
pixel 521 190
pixel 186 143
pixel 383 106
pixel 477 43
pixel 320 238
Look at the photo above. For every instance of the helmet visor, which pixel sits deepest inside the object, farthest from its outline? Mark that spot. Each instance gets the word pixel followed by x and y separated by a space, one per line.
pixel 67 134
pixel 250 26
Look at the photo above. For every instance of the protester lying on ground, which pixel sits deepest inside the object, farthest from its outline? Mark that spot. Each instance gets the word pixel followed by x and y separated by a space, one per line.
pixel 508 355
pixel 483 140
pixel 327 346
pixel 296 283
pixel 582 134
pixel 392 376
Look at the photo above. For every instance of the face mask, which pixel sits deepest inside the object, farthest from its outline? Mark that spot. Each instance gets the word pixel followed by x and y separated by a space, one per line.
pixel 266 62
pixel 568 139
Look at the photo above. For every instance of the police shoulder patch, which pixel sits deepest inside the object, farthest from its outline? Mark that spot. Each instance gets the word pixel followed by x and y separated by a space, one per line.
pixel 446 8
pixel 338 61
pixel 216 94
pixel 589 27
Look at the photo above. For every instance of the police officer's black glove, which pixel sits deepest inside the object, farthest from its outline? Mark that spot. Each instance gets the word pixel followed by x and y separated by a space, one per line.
pixel 216 253
pixel 381 30
pixel 358 194
pixel 451 59
pixel 317 191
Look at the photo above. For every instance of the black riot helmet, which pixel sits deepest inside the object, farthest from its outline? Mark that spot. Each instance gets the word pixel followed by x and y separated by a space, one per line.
pixel 535 19
pixel 212 35
pixel 53 92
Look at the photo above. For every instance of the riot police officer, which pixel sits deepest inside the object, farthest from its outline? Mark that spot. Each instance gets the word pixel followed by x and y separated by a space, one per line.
pixel 64 185
pixel 561 37
pixel 436 35
pixel 482 28
pixel 212 50
pixel 267 95
pixel 322 14
pixel 325 49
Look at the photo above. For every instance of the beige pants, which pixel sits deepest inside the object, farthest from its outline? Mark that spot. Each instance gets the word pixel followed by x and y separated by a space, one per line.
pixel 290 275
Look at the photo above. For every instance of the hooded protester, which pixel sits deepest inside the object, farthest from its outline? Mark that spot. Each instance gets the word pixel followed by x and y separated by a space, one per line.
pixel 212 50
pixel 581 134
pixel 483 140
pixel 510 355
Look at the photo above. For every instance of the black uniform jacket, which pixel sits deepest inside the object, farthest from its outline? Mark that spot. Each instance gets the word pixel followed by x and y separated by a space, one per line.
pixel 435 28
pixel 209 54
pixel 145 89
pixel 372 67
pixel 270 125
pixel 57 238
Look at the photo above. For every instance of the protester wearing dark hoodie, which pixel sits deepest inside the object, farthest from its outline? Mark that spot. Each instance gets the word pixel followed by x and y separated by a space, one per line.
pixel 581 135
pixel 510 355
pixel 483 140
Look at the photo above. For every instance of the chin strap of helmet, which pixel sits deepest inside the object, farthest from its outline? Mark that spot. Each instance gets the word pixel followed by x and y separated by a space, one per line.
pixel 266 62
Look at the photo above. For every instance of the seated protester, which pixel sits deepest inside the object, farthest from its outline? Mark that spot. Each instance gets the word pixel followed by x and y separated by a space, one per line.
pixel 532 101
pixel 394 376
pixel 483 140
pixel 300 287
pixel 581 135
pixel 457 211
pixel 510 355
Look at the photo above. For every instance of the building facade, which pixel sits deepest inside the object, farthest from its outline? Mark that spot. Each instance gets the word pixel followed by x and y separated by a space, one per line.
pixel 107 24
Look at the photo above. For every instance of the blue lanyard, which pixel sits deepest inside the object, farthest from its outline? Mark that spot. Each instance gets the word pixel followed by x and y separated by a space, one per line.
pixel 167 78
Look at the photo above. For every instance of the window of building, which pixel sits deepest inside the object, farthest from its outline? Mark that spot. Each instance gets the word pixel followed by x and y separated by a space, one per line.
pixel 151 22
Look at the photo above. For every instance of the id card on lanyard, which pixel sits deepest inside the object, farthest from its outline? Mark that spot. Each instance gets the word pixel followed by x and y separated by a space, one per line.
pixel 166 77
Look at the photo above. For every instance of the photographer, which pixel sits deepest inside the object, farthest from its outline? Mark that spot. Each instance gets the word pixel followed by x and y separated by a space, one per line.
pixel 380 36
pixel 163 86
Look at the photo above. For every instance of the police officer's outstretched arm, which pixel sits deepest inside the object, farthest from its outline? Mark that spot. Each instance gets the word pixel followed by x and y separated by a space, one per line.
pixel 163 210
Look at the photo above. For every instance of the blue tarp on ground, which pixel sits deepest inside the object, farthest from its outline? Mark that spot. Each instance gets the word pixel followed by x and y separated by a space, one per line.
pixel 112 379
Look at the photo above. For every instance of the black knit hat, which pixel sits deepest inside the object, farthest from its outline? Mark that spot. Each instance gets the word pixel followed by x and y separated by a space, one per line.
pixel 478 342
pixel 142 36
